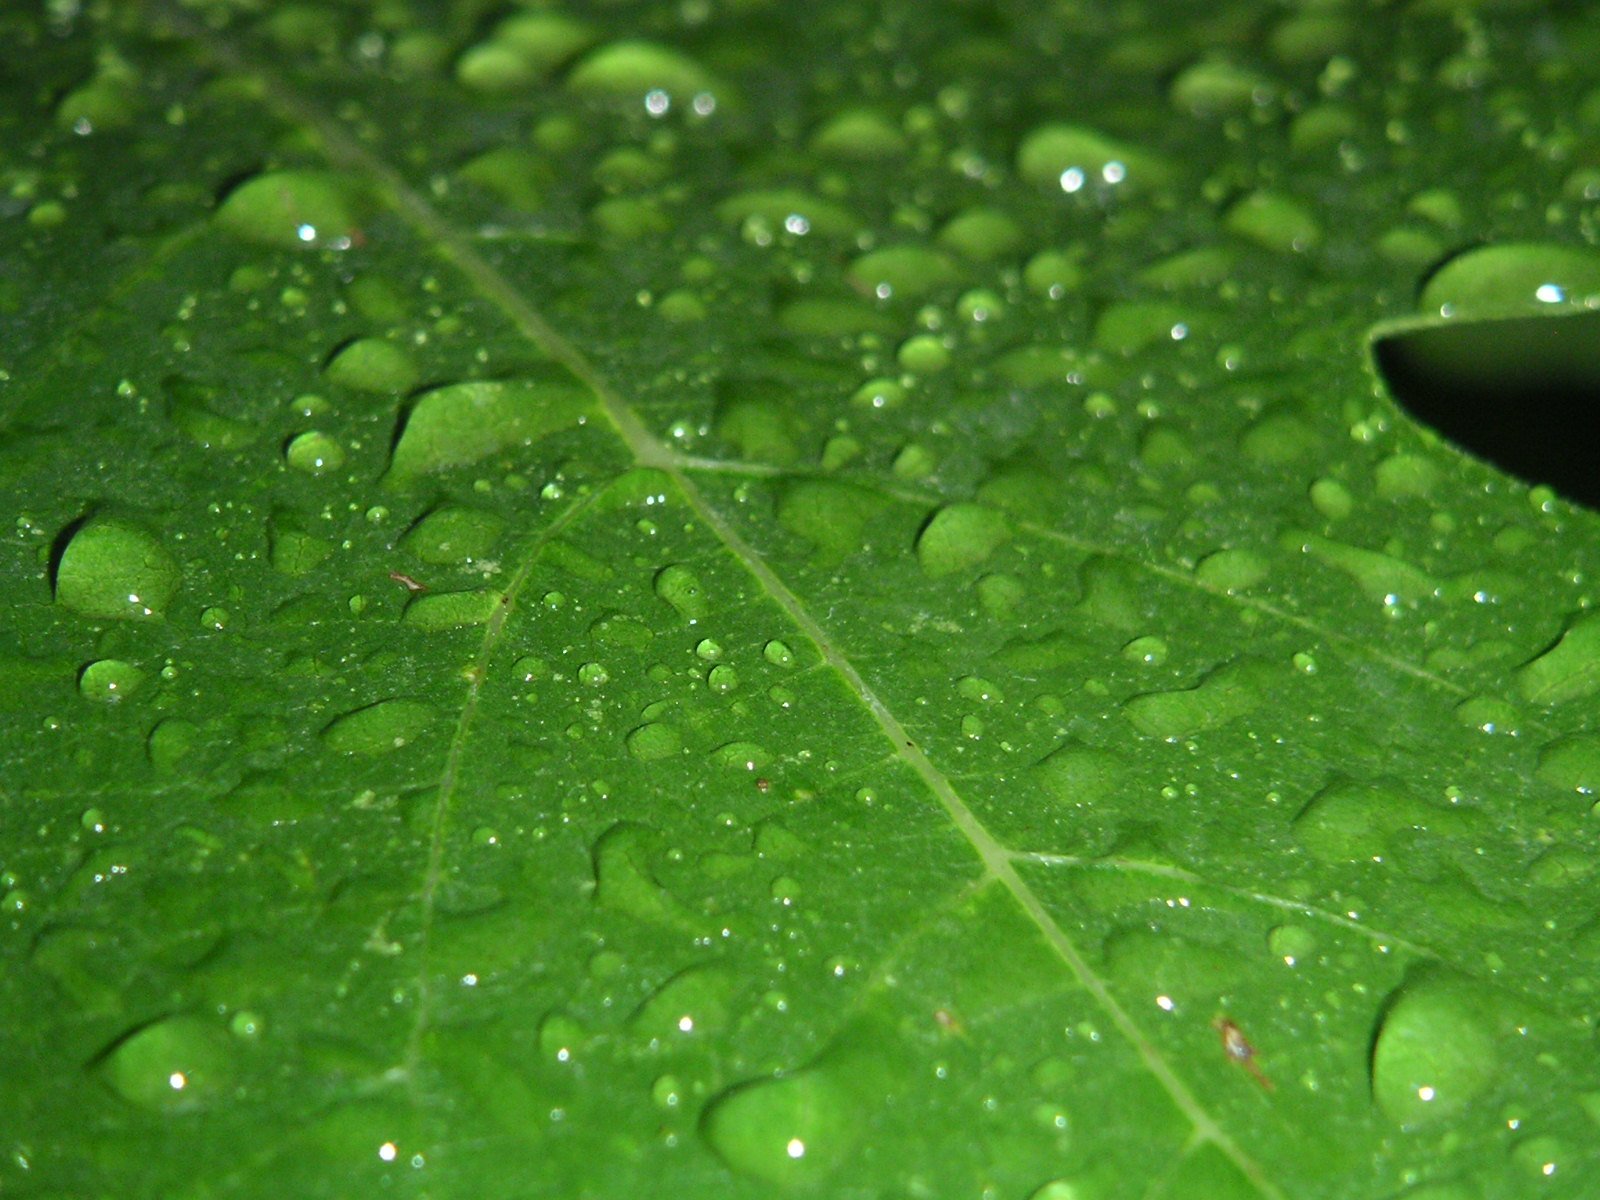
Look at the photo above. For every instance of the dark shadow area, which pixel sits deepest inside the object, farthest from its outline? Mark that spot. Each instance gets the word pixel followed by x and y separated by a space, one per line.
pixel 1522 393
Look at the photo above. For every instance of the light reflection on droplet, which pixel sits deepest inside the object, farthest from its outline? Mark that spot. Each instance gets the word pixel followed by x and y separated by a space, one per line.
pixel 1071 179
pixel 796 1148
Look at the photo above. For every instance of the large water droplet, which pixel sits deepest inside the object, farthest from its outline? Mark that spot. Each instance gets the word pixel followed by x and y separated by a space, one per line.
pixel 959 537
pixel 1227 693
pixel 1436 1050
pixel 461 423
pixel 109 679
pixel 797 1128
pixel 296 208
pixel 378 728
pixel 1515 279
pixel 115 569
pixel 453 534
pixel 373 365
pixel 1572 762
pixel 174 1065
pixel 1569 670
pixel 1071 157
pixel 694 1001
pixel 645 71
pixel 654 741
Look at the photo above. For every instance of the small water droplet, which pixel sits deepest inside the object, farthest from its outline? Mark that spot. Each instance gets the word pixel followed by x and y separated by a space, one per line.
pixel 681 588
pixel 778 654
pixel 314 452
pixel 109 680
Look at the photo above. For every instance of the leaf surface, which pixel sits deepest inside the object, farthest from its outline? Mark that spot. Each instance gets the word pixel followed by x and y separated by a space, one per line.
pixel 700 599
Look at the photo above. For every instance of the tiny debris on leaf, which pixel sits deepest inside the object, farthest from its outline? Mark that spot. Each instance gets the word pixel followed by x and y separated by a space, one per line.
pixel 1238 1048
pixel 405 581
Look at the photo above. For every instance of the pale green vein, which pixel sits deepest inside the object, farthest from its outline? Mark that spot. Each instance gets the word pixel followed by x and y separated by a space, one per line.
pixel 450 775
pixel 646 451
pixel 1179 875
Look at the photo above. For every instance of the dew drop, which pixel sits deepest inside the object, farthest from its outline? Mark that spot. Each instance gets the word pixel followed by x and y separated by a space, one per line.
pixel 462 423
pixel 452 534
pixel 174 1065
pixel 959 537
pixel 681 588
pixel 373 365
pixel 115 569
pixel 314 452
pixel 778 654
pixel 1514 279
pixel 378 728
pixel 109 680
pixel 1435 1052
pixel 654 741
pixel 299 209
pixel 1572 763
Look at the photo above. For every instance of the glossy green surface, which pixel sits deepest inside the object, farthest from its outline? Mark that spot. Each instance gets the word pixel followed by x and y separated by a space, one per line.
pixel 738 598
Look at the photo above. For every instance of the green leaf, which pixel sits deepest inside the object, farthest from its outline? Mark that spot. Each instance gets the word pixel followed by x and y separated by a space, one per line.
pixel 824 600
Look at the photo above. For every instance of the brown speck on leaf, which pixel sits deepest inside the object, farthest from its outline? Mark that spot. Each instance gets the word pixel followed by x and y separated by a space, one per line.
pixel 405 581
pixel 1238 1048
pixel 763 785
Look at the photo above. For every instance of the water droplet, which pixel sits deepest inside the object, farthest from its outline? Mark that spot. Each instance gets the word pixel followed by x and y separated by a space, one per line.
pixel 633 70
pixel 1332 499
pixel 450 535
pixel 115 569
pixel 1569 670
pixel 1352 822
pixel 1076 775
pixel 905 272
pixel 959 537
pixel 296 209
pixel 215 618
pixel 1072 157
pixel 776 209
pixel 1514 279
pixel 976 688
pixel 453 610
pixel 109 679
pixel 295 552
pixel 378 728
pixel 1227 693
pixel 1150 650
pixel 1274 221
pixel 923 354
pixel 797 1128
pixel 681 588
pixel 314 452
pixel 1292 943
pixel 1231 570
pixel 832 516
pixel 696 1001
pixel 859 135
pixel 624 881
pixel 654 741
pixel 778 654
pixel 1215 87
pixel 982 234
pixel 1572 762
pixel 460 423
pixel 1436 1050
pixel 373 365
pixel 722 679
pixel 174 1065
pixel 561 1037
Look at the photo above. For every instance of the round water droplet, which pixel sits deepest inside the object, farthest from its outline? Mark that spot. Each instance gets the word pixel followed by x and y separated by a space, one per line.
pixel 109 679
pixel 1436 1050
pixel 784 1131
pixel 178 1064
pixel 1150 650
pixel 722 679
pixel 653 74
pixel 654 741
pixel 1274 221
pixel 1292 943
pixel 973 687
pixel 1231 570
pixel 924 354
pixel 296 208
pixel 114 569
pixel 314 452
pixel 593 674
pixel 778 654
